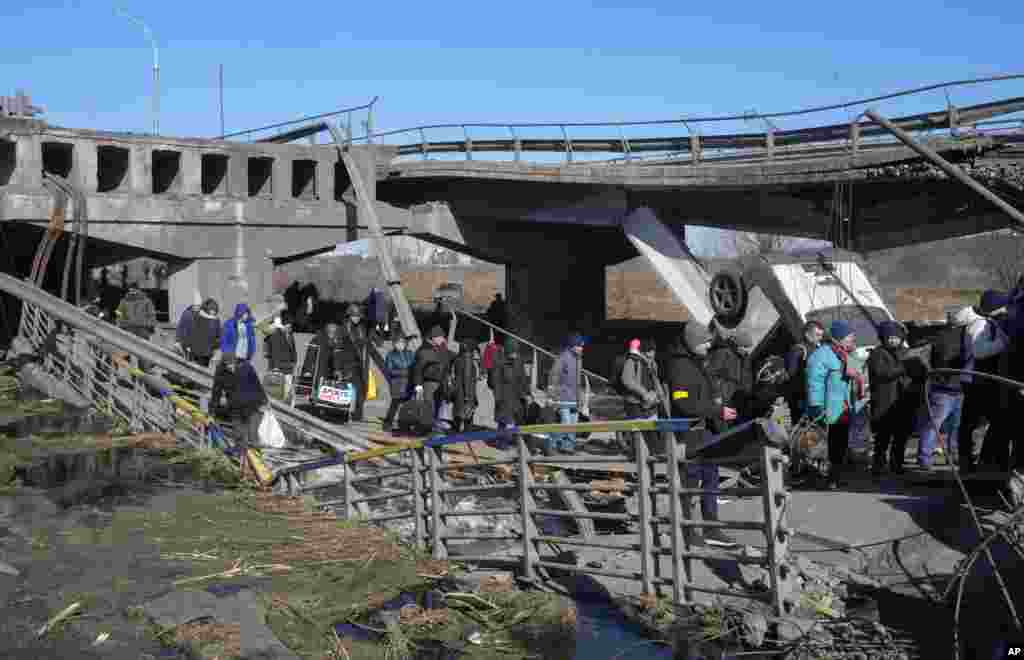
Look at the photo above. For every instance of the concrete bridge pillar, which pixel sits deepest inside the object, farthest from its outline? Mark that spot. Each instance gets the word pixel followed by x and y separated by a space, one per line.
pixel 549 299
pixel 228 281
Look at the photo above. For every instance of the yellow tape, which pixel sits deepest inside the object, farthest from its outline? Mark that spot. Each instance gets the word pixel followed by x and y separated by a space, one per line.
pixel 680 394
pixel 383 451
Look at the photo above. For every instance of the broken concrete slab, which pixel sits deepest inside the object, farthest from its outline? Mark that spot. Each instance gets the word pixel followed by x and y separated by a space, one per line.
pixel 241 608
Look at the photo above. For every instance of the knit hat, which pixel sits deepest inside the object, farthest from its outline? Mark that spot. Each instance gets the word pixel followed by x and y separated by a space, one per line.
pixel 648 346
pixel 961 317
pixel 840 329
pixel 510 346
pixel 633 344
pixel 353 309
pixel 888 329
pixel 695 334
pixel 576 339
pixel 436 331
pixel 991 301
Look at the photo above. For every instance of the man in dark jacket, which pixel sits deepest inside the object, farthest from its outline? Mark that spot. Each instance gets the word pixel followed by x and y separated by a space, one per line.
pixel 354 355
pixel 198 332
pixel 464 379
pixel 137 314
pixel 732 375
pixel 511 386
pixel 691 395
pixel 398 369
pixel 796 367
pixel 429 373
pixel 892 405
pixel 280 344
pixel 237 380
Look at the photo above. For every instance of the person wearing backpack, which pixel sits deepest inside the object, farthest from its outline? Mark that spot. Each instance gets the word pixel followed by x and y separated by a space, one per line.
pixel 639 383
pixel 137 315
pixel 691 395
pixel 564 382
pixel 796 367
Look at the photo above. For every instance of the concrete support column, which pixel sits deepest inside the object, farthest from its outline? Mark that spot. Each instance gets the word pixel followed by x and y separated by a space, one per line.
pixel 29 164
pixel 191 172
pixel 228 281
pixel 548 299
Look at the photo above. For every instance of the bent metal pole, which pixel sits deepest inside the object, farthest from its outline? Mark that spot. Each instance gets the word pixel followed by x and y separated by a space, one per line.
pixel 366 205
pixel 947 167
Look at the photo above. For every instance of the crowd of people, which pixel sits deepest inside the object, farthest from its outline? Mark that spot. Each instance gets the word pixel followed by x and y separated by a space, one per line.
pixel 706 372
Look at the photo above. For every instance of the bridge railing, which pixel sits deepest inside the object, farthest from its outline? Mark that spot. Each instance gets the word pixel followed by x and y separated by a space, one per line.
pixel 691 138
pixel 661 482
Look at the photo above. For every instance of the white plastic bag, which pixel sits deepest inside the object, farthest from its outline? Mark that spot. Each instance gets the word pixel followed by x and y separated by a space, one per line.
pixel 271 433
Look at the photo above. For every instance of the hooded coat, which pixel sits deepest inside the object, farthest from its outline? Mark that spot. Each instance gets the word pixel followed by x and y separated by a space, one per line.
pixel 888 379
pixel 229 337
pixel 463 398
pixel 689 388
pixel 828 387
pixel 198 331
pixel 280 348
pixel 511 386
pixel 398 367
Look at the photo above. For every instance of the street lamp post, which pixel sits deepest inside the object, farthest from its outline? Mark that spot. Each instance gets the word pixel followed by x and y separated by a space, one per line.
pixel 156 66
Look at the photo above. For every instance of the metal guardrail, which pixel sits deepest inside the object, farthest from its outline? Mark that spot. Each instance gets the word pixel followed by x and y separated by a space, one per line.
pixel 426 471
pixel 41 310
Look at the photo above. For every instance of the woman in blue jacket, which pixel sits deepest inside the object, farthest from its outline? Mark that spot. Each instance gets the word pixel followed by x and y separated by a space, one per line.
pixel 830 385
pixel 398 365
pixel 239 336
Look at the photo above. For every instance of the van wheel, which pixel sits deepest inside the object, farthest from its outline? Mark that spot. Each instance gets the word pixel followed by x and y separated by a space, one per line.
pixel 728 296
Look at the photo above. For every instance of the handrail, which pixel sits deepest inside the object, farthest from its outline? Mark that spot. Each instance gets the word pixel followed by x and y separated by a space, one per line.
pixel 324 115
pixel 162 357
pixel 683 144
pixel 524 341
pixel 710 119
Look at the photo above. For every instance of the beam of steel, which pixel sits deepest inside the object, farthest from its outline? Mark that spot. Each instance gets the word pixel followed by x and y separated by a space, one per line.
pixel 164 358
pixel 366 205
pixel 947 167
pixel 800 136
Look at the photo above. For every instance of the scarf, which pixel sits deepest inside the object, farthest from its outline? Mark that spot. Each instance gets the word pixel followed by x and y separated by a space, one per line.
pixel 844 359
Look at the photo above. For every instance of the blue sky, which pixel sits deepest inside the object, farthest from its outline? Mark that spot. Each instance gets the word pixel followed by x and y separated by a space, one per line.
pixel 434 62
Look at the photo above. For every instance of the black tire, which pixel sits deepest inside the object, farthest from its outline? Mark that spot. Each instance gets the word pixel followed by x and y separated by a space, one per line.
pixel 728 296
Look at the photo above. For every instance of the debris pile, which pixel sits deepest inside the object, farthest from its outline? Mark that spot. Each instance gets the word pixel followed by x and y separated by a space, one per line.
pixel 835 616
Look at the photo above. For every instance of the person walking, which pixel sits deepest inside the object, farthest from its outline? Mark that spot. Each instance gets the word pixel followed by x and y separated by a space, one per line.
pixel 239 334
pixel 279 349
pixel 137 315
pixel 796 368
pixel 199 331
pixel 892 405
pixel 237 381
pixel 949 350
pixel 641 384
pixel 691 395
pixel 833 388
pixel 398 369
pixel 564 382
pixel 429 372
pixel 354 357
pixel 511 386
pixel 984 344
